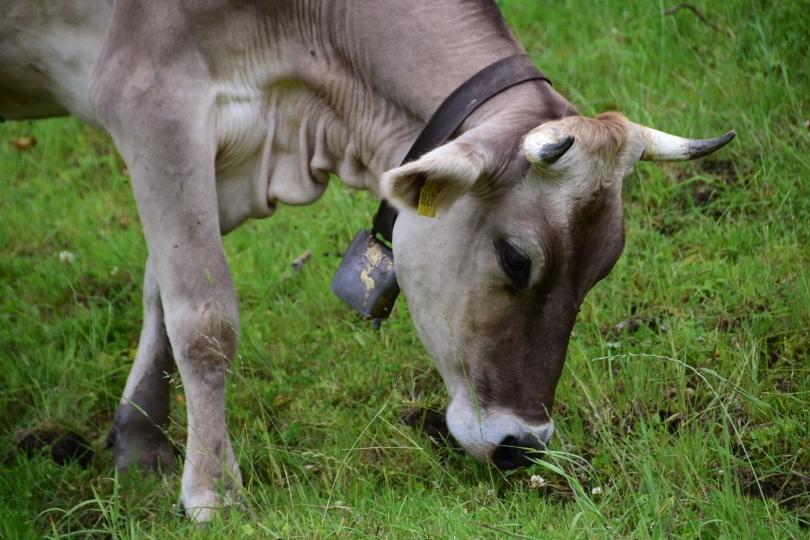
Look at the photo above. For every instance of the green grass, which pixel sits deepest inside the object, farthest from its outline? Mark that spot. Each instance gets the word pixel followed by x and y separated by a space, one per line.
pixel 692 419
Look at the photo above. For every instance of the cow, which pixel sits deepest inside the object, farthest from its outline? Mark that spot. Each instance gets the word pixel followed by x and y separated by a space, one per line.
pixel 224 109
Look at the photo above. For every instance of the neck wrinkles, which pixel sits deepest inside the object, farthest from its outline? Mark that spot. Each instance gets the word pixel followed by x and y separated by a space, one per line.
pixel 384 68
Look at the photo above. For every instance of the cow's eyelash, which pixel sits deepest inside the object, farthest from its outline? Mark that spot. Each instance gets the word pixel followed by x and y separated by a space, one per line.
pixel 515 264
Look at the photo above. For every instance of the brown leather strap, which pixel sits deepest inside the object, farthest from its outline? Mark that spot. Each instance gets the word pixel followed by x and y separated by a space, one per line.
pixel 488 82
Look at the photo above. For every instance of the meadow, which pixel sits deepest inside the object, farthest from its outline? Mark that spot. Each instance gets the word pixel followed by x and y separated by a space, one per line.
pixel 683 407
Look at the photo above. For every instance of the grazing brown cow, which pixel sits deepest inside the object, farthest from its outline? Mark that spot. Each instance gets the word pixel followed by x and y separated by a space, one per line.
pixel 223 109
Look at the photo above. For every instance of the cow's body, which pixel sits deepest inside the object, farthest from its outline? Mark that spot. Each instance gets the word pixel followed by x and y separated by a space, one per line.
pixel 222 109
pixel 46 52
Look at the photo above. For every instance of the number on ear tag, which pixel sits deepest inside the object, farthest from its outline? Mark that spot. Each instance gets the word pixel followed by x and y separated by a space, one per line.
pixel 427 199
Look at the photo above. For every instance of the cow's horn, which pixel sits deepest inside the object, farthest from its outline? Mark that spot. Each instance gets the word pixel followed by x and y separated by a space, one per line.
pixel 543 147
pixel 664 147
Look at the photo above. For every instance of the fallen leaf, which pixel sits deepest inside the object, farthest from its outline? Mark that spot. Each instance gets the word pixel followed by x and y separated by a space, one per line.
pixel 23 144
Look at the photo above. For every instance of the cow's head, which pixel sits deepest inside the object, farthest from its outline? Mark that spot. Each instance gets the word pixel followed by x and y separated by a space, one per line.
pixel 526 224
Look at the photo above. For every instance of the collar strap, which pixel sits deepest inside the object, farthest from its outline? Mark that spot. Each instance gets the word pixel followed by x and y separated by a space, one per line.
pixel 490 81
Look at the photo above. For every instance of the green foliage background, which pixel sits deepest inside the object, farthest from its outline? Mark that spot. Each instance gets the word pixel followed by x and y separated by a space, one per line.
pixel 684 397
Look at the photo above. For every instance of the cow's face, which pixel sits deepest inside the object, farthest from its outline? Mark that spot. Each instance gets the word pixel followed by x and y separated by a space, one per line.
pixel 495 280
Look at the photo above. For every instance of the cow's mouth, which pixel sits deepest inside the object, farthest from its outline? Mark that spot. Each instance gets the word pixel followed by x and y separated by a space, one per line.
pixel 496 435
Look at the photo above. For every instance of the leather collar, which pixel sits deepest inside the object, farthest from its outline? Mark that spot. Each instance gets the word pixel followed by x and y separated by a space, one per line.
pixel 479 88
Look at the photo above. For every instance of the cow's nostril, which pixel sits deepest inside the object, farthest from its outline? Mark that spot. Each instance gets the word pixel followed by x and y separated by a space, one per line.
pixel 514 453
pixel 507 456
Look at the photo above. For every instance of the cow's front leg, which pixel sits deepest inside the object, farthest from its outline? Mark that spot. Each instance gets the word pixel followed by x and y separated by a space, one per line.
pixel 202 324
pixel 171 161
pixel 139 429
pixel 206 331
pixel 154 94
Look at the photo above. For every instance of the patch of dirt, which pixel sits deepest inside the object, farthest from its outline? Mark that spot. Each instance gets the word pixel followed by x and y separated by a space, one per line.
pixel 703 187
pixel 706 196
pixel 62 444
pixel 787 349
pixel 785 385
pixel 702 192
pixel 620 421
pixel 790 491
pixel 726 324
pixel 723 169
pixel 670 419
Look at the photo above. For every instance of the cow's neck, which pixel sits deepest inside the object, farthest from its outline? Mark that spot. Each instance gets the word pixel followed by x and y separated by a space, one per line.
pixel 345 89
pixel 407 59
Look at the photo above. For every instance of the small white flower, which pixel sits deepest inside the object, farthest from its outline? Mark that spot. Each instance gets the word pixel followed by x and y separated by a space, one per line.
pixel 596 491
pixel 490 493
pixel 719 471
pixel 114 270
pixel 66 257
pixel 537 481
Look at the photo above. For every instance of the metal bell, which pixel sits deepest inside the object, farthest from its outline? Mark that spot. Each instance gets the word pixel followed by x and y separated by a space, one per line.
pixel 366 279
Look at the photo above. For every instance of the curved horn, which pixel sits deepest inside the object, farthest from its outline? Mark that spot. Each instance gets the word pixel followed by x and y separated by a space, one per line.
pixel 664 147
pixel 543 147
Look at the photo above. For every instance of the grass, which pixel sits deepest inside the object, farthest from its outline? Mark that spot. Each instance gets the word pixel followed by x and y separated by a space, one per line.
pixel 684 397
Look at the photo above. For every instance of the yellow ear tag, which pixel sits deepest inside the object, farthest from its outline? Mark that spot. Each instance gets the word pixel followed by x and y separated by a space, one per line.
pixel 427 199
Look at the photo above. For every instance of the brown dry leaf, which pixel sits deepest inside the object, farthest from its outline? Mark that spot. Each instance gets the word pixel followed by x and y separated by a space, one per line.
pixel 280 400
pixel 23 144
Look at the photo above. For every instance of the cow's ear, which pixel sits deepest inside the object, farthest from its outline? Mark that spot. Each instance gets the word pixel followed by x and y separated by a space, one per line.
pixel 450 170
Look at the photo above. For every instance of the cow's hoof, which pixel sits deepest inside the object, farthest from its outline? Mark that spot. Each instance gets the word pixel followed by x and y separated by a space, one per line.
pixel 147 453
pixel 202 507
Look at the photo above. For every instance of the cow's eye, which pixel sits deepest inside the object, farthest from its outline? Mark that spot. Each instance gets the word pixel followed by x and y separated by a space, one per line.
pixel 515 264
